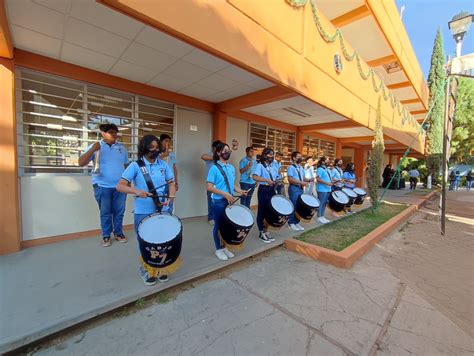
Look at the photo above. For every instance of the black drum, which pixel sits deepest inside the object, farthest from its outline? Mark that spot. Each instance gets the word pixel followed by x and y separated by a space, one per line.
pixel 279 212
pixel 361 193
pixel 237 222
pixel 350 193
pixel 306 206
pixel 338 200
pixel 160 237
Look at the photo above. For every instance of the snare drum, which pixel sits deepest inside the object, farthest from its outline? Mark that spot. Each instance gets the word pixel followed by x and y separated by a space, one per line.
pixel 306 206
pixel 350 193
pixel 237 222
pixel 338 200
pixel 279 212
pixel 160 237
pixel 361 193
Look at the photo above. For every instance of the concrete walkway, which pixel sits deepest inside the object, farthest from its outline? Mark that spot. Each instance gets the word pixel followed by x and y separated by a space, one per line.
pixel 410 295
pixel 49 288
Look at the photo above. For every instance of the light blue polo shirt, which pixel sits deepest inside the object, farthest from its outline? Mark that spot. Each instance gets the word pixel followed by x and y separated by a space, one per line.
pixel 323 174
pixel 351 176
pixel 277 167
pixel 263 172
pixel 112 161
pixel 170 160
pixel 293 172
pixel 336 175
pixel 217 179
pixel 160 174
pixel 246 177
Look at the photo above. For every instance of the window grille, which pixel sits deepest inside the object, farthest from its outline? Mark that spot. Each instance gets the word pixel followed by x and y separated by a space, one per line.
pixel 58 118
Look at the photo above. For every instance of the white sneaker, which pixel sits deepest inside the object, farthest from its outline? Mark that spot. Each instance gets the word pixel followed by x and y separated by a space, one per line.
pixel 221 255
pixel 301 228
pixel 294 227
pixel 228 253
pixel 210 222
pixel 326 220
pixel 322 220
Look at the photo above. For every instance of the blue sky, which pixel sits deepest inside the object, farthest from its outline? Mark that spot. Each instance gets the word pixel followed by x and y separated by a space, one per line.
pixel 423 17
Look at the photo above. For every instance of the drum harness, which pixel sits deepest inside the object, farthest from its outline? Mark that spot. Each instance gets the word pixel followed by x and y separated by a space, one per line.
pixel 151 186
pixel 299 176
pixel 226 180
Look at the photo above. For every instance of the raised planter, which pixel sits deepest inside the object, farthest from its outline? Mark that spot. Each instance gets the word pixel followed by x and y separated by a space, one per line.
pixel 350 254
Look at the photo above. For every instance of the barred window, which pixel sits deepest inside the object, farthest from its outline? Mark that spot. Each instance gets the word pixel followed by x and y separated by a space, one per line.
pixel 317 148
pixel 262 136
pixel 58 118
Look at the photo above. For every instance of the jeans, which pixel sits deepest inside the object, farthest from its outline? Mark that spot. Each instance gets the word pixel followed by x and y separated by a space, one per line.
pixel 112 207
pixel 468 185
pixel 451 185
pixel 294 191
pixel 264 195
pixel 323 199
pixel 218 209
pixel 413 181
pixel 209 207
pixel 246 200
pixel 456 184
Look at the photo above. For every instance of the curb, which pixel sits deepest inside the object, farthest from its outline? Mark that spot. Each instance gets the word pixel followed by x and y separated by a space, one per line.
pixel 347 257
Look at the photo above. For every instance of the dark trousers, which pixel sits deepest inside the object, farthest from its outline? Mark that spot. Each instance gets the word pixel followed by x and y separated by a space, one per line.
pixel 294 192
pixel 218 210
pixel 112 208
pixel 246 200
pixel 264 195
pixel 413 181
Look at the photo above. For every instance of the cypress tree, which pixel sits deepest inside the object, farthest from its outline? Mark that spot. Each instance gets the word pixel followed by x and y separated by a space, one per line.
pixel 436 85
pixel 376 159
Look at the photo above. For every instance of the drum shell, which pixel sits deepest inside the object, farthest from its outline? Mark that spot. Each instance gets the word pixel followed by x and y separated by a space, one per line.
pixel 303 210
pixel 334 204
pixel 275 218
pixel 360 198
pixel 232 233
pixel 160 255
pixel 351 199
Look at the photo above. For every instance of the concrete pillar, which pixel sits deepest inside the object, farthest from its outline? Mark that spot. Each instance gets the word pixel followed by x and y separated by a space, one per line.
pixel 338 148
pixel 299 140
pixel 359 162
pixel 10 240
pixel 219 126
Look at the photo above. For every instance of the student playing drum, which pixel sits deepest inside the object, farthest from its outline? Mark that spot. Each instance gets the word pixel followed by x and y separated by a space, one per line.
pixel 323 187
pixel 265 174
pixel 220 182
pixel 297 180
pixel 149 149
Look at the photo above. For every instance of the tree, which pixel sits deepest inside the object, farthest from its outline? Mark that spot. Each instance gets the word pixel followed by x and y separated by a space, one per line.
pixel 462 142
pixel 376 159
pixel 436 85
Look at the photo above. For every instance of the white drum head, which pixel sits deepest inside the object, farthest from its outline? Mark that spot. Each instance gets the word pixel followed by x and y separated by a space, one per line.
pixel 239 215
pixel 360 191
pixel 282 204
pixel 310 200
pixel 159 228
pixel 350 193
pixel 340 197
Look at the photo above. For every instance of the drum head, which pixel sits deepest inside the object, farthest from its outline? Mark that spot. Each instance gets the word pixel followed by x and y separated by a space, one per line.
pixel 350 193
pixel 282 204
pixel 159 228
pixel 340 197
pixel 239 215
pixel 310 200
pixel 360 191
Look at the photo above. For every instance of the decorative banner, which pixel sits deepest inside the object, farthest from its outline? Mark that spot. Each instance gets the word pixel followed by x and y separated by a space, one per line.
pixel 338 63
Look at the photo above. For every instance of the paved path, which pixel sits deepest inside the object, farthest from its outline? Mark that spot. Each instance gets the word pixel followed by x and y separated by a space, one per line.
pixel 410 295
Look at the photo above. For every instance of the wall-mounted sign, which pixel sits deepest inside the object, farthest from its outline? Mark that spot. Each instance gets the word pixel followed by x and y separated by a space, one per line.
pixel 193 128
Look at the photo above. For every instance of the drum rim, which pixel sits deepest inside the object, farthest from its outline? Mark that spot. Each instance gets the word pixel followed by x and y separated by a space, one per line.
pixel 157 213
pixel 336 191
pixel 287 199
pixel 312 195
pixel 358 189
pixel 352 190
pixel 243 206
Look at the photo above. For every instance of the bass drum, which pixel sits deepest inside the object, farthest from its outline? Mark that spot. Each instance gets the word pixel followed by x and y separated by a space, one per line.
pixel 280 211
pixel 361 194
pixel 350 193
pixel 160 237
pixel 306 206
pixel 338 200
pixel 236 225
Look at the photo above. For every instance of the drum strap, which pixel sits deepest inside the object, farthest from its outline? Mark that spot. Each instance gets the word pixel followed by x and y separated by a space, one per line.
pixel 269 172
pixel 149 183
pixel 298 171
pixel 225 177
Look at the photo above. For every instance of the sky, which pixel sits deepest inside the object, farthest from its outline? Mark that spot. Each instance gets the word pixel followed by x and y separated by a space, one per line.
pixel 423 17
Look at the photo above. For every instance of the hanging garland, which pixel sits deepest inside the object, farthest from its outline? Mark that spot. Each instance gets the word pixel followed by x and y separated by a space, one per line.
pixel 387 94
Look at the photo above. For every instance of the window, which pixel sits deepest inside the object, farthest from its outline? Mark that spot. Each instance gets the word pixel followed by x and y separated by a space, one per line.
pixel 317 148
pixel 59 118
pixel 262 136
